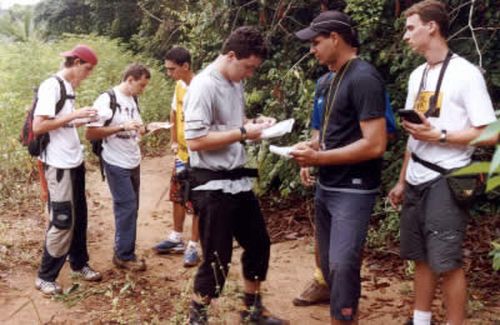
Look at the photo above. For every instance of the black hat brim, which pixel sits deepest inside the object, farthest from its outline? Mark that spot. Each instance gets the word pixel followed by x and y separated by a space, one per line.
pixel 306 34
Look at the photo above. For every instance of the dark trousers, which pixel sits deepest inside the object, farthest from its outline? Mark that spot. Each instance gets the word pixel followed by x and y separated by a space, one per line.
pixel 67 231
pixel 222 217
pixel 341 227
pixel 124 186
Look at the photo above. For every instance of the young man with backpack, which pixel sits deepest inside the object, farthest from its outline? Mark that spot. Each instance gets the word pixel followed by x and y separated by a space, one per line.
pixel 450 96
pixel 62 155
pixel 120 127
pixel 178 67
pixel 348 154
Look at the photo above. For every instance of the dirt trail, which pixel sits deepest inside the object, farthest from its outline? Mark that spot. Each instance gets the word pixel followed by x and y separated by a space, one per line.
pixel 159 295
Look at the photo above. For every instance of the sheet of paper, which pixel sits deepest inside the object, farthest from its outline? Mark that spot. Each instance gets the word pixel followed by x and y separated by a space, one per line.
pixel 153 126
pixel 282 151
pixel 279 129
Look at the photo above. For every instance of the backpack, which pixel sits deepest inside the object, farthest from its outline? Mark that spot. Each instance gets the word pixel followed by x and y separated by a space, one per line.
pixel 37 144
pixel 97 144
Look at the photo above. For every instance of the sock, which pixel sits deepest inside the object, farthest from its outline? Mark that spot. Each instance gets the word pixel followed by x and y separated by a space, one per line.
pixel 175 236
pixel 252 300
pixel 422 317
pixel 318 276
pixel 192 244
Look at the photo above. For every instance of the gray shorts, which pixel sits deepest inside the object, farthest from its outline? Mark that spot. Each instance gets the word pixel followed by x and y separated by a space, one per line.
pixel 432 226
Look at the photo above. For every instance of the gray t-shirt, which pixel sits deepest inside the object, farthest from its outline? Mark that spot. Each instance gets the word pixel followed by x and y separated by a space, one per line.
pixel 214 103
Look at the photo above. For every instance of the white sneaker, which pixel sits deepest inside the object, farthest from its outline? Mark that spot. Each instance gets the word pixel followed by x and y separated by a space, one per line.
pixel 87 274
pixel 47 287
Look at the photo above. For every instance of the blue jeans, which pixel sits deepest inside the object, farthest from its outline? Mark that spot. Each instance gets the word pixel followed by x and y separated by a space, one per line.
pixel 124 186
pixel 341 227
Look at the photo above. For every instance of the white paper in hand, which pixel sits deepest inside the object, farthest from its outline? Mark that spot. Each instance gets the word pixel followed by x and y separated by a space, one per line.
pixel 153 126
pixel 278 129
pixel 282 151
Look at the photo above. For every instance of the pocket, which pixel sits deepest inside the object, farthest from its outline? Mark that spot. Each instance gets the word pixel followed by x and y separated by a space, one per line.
pixel 61 214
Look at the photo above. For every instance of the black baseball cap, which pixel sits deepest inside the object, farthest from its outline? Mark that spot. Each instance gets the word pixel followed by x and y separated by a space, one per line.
pixel 327 22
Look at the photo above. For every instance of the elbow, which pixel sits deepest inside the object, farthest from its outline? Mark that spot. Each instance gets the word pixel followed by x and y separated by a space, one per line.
pixel 377 150
pixel 193 145
pixel 90 134
pixel 37 130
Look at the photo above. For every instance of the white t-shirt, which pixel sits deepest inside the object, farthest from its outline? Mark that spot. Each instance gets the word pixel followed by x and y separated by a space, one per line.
pixel 119 149
pixel 64 149
pixel 464 103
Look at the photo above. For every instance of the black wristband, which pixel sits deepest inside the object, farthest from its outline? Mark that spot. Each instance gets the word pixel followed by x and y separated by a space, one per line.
pixel 243 135
pixel 442 136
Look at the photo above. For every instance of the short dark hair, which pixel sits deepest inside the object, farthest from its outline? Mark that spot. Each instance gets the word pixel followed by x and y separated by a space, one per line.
pixel 246 41
pixel 179 55
pixel 333 4
pixel 431 10
pixel 136 71
pixel 70 61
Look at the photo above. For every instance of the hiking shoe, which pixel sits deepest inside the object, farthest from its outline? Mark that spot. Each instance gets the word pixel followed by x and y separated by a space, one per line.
pixel 191 257
pixel 48 288
pixel 170 247
pixel 260 316
pixel 135 264
pixel 314 293
pixel 87 274
pixel 410 322
pixel 197 314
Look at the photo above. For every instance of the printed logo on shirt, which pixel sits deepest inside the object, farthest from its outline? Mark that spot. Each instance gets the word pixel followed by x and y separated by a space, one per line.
pixel 422 103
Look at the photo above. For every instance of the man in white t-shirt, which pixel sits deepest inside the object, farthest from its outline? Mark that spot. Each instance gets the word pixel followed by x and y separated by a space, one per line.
pixel 432 222
pixel 64 171
pixel 120 131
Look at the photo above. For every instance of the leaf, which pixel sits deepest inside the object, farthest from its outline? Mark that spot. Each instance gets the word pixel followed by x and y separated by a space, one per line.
pixel 495 161
pixel 490 131
pixel 474 168
pixel 493 182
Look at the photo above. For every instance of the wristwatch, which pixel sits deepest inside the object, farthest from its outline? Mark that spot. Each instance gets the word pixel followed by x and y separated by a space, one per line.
pixel 122 127
pixel 442 136
pixel 243 135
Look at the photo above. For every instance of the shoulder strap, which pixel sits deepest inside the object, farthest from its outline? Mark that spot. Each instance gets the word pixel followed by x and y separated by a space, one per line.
pixel 434 98
pixel 63 95
pixel 428 164
pixel 112 105
pixel 136 100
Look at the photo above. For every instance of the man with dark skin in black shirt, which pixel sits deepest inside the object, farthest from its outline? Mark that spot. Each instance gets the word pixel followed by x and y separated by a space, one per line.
pixel 348 153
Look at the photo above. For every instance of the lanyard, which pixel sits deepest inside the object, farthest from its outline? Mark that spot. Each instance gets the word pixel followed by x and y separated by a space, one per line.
pixel 330 101
pixel 434 98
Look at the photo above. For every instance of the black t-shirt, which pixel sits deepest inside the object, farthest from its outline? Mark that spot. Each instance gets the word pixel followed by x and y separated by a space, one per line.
pixel 360 97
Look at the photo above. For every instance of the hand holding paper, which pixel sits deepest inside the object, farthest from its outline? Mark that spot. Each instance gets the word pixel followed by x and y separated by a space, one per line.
pixel 153 126
pixel 282 151
pixel 278 129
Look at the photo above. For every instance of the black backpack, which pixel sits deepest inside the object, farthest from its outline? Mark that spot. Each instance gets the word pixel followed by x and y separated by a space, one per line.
pixel 97 144
pixel 37 144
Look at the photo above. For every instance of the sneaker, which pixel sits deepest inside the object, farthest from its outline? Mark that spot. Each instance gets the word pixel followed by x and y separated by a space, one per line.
pixel 410 322
pixel 168 246
pixel 197 314
pixel 136 264
pixel 313 294
pixel 47 287
pixel 191 257
pixel 260 316
pixel 87 274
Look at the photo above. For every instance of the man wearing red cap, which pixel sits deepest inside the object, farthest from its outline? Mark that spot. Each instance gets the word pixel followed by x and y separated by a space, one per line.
pixel 56 115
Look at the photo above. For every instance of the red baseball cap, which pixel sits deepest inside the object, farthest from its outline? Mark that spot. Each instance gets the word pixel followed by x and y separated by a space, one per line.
pixel 83 52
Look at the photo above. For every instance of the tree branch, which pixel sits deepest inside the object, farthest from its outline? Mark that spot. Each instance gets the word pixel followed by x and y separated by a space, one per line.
pixel 150 14
pixel 474 35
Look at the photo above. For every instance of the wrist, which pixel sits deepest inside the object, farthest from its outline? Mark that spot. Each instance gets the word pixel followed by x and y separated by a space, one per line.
pixel 243 135
pixel 443 136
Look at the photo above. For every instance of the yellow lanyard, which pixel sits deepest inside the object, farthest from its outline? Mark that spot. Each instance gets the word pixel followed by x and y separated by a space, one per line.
pixel 329 103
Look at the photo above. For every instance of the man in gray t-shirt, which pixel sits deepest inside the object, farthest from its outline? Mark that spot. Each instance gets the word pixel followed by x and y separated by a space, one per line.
pixel 216 129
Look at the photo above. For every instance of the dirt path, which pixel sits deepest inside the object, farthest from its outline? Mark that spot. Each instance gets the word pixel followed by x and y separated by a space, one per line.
pixel 160 294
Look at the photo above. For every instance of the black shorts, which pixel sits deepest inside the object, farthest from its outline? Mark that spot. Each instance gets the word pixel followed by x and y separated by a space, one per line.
pixel 432 226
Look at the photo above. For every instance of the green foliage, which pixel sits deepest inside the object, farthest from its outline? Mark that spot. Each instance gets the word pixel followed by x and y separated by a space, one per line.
pixel 17 25
pixel 495 253
pixel 24 65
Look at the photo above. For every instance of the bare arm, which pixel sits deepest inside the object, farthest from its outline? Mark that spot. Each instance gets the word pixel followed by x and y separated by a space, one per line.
pixel 372 145
pixel 396 193
pixel 43 124
pixel 96 133
pixel 215 140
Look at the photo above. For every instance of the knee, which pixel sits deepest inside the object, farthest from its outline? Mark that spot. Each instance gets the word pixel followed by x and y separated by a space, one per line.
pixel 62 215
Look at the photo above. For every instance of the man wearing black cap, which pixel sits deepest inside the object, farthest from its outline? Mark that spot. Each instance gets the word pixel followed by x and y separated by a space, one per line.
pixel 348 153
pixel 56 115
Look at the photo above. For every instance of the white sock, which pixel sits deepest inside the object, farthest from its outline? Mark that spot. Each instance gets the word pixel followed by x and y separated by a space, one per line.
pixel 192 244
pixel 422 317
pixel 175 236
